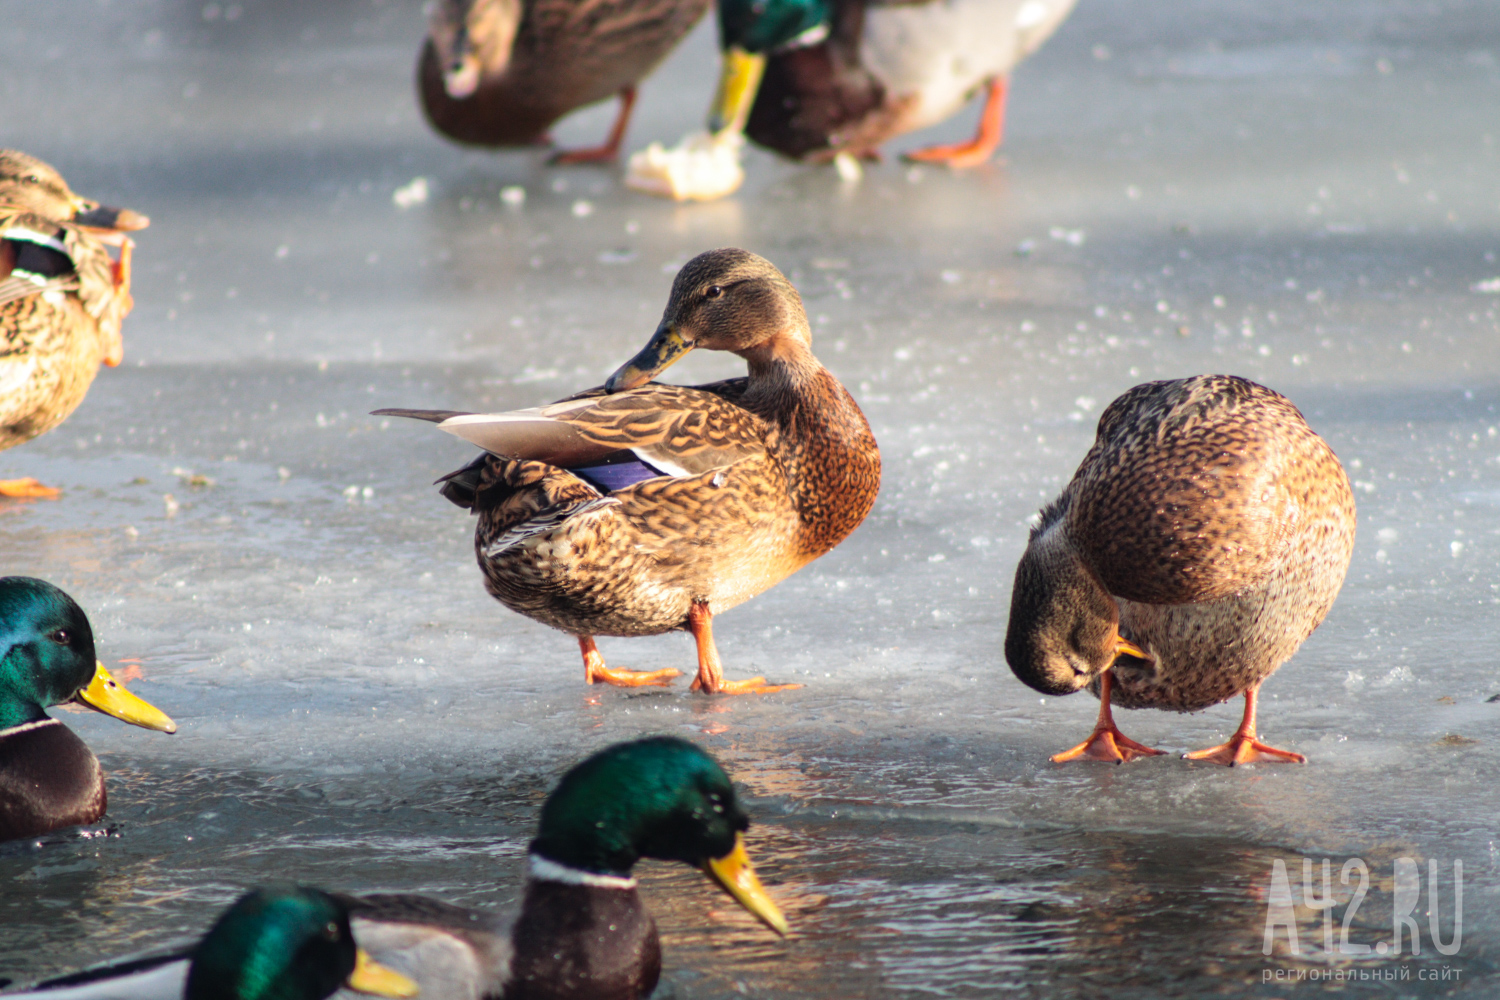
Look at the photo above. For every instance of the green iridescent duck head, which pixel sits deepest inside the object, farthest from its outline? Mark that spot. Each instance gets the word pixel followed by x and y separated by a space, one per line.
pixel 47 658
pixel 659 797
pixel 749 31
pixel 286 943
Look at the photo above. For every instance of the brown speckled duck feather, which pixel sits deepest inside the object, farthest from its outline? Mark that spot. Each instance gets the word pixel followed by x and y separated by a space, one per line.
pixel 1219 524
pixel 62 297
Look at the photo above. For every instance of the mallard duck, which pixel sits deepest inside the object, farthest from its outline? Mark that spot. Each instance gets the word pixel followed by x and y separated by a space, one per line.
pixel 61 300
pixel 274 943
pixel 814 78
pixel 1204 537
pixel 640 508
pixel 500 72
pixel 582 931
pixel 49 778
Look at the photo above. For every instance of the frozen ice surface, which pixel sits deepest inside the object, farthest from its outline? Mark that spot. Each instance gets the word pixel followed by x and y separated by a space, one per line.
pixel 1301 194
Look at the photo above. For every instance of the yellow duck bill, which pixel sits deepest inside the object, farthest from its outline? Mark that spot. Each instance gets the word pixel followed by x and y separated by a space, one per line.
pixel 666 347
pixel 369 976
pixel 107 695
pixel 739 82
pixel 737 875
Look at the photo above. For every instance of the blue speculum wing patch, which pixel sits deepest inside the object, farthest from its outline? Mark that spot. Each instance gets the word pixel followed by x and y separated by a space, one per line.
pixel 616 475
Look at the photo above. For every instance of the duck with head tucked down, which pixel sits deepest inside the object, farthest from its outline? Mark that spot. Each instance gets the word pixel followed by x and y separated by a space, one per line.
pixel 1204 537
pixel 815 78
pixel 582 931
pixel 640 508
pixel 49 779
pixel 62 300
pixel 501 72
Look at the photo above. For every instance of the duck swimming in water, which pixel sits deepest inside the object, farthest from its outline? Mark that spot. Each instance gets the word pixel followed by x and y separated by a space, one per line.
pixel 274 943
pixel 1204 537
pixel 582 931
pixel 49 779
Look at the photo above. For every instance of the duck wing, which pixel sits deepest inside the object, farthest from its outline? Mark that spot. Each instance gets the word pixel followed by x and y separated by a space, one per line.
pixel 35 256
pixel 678 430
pixel 451 952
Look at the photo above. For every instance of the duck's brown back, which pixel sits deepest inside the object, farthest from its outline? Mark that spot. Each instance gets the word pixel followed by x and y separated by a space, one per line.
pixel 567 54
pixel 1222 524
pixel 1198 488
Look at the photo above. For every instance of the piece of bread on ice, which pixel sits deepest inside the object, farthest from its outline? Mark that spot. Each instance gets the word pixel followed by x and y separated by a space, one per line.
pixel 701 167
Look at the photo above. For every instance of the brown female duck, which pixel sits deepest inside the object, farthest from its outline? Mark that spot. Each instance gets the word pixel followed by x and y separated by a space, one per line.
pixel 61 300
pixel 640 508
pixel 1204 537
pixel 500 72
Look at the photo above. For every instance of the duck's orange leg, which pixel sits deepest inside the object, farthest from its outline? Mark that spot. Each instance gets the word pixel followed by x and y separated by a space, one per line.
pixel 986 140
pixel 595 670
pixel 1106 742
pixel 610 151
pixel 710 679
pixel 27 489
pixel 1243 747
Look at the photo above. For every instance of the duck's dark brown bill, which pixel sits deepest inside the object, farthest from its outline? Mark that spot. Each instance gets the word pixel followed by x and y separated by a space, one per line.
pixel 105 217
pixel 666 346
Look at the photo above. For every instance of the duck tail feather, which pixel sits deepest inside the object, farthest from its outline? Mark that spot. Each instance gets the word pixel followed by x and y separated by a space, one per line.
pixel 431 416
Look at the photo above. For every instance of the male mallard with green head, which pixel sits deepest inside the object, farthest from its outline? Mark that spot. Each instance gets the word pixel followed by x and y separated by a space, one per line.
pixel 61 300
pixel 814 78
pixel 1204 537
pixel 500 72
pixel 49 778
pixel 274 943
pixel 640 508
pixel 582 931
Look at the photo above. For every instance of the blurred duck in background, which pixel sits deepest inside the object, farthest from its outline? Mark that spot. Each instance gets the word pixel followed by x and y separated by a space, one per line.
pixel 501 72
pixel 815 78
pixel 62 299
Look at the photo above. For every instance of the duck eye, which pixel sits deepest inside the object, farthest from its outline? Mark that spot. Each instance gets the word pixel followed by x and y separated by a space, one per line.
pixel 62 637
pixel 31 179
pixel 714 291
pixel 331 931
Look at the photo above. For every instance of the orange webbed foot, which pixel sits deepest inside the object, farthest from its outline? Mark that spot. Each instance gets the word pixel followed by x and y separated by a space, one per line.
pixel 1108 744
pixel 621 677
pixel 595 154
pixel 959 156
pixel 27 489
pixel 755 685
pixel 594 670
pixel 986 139
pixel 1243 749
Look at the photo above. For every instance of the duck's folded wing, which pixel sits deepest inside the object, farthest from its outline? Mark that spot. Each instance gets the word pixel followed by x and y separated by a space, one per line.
pixel 450 952
pixel 679 430
pixel 155 976
pixel 37 257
